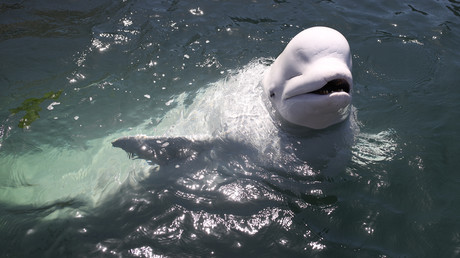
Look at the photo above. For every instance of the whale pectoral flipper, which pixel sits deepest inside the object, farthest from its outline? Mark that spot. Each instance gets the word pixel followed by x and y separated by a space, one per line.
pixel 161 150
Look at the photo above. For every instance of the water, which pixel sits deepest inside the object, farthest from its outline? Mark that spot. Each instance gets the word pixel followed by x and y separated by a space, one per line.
pixel 136 67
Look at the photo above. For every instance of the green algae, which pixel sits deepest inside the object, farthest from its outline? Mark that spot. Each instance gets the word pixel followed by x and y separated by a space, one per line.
pixel 32 106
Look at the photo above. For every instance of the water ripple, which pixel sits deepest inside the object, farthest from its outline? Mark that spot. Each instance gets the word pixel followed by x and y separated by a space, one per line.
pixel 129 67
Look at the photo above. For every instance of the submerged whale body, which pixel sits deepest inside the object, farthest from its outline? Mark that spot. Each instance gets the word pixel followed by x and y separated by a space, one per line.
pixel 308 86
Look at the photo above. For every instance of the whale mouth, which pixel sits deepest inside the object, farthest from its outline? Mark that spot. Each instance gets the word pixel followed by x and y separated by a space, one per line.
pixel 336 85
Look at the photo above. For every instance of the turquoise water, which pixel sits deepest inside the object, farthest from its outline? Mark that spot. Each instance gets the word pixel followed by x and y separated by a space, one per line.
pixel 87 72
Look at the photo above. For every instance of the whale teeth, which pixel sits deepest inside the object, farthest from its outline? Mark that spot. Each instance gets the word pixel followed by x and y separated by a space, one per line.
pixel 336 85
pixel 325 92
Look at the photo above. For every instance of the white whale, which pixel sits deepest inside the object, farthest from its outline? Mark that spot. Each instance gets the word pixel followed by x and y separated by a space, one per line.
pixel 226 122
pixel 310 83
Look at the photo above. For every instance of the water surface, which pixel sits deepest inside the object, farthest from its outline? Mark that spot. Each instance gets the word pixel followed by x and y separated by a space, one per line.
pixel 134 67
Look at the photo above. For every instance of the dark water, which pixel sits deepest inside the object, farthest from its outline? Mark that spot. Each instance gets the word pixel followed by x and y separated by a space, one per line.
pixel 64 191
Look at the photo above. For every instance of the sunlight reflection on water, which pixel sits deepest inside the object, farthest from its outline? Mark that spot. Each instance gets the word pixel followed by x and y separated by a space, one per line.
pixel 149 67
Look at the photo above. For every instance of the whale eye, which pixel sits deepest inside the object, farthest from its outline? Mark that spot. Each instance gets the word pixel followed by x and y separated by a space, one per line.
pixel 272 94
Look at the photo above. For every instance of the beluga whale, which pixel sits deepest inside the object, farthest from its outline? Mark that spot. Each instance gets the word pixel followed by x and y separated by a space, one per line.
pixel 307 87
pixel 310 82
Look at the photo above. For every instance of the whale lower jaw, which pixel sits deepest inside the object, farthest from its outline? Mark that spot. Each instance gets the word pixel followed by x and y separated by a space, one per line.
pixel 322 121
pixel 316 111
pixel 328 100
pixel 332 87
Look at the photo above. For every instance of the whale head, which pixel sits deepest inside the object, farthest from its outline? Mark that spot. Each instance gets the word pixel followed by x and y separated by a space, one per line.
pixel 310 83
